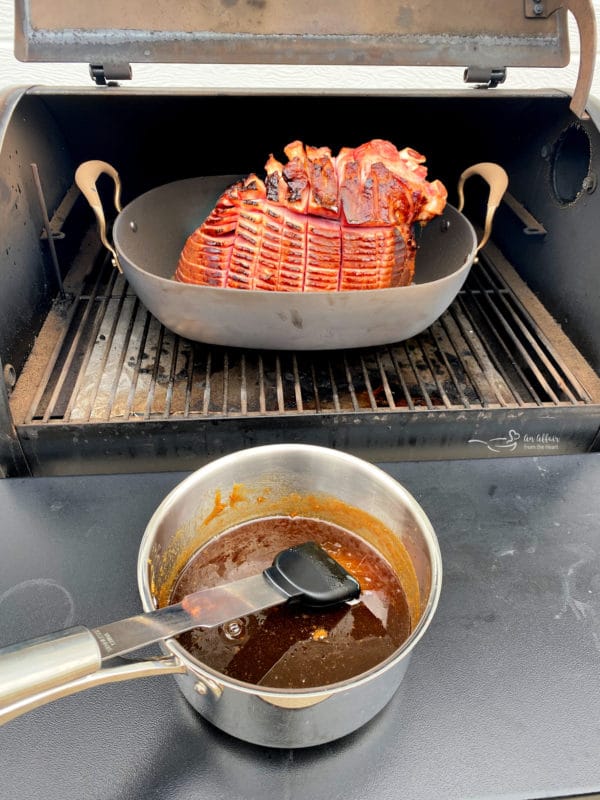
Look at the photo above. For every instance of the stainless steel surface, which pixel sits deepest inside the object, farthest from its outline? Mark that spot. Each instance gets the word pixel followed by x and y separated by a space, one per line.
pixel 38 671
pixel 150 232
pixel 129 670
pixel 289 718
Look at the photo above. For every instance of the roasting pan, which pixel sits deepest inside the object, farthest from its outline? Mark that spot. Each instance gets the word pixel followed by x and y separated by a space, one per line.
pixel 149 233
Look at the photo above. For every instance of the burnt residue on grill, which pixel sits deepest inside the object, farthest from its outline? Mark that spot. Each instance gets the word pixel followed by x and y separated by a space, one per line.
pixel 113 361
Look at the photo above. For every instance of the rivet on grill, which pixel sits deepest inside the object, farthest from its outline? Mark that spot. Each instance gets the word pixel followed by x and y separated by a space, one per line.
pixel 133 226
pixel 590 182
pixel 445 226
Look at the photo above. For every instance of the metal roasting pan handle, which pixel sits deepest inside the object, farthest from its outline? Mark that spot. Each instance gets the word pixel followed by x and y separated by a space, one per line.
pixel 86 177
pixel 497 179
pixel 41 670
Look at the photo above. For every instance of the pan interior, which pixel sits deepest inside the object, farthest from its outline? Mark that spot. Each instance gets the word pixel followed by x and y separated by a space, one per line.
pixel 445 245
pixel 151 231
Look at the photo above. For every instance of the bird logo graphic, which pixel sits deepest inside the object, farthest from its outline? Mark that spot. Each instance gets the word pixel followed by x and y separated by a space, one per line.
pixel 500 444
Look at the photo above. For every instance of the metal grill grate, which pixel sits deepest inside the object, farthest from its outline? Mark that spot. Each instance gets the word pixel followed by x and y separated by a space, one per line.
pixel 114 362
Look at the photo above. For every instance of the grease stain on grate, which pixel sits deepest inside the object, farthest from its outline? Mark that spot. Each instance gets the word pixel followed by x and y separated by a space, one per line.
pixel 116 362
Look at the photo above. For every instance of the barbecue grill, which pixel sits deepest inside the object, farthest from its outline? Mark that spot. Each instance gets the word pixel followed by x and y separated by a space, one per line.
pixel 92 386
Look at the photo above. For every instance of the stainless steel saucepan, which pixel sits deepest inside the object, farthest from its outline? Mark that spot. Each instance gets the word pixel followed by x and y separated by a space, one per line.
pixel 259 482
pixel 149 234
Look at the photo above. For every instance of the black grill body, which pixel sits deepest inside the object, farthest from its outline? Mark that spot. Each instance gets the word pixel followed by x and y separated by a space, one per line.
pixel 93 383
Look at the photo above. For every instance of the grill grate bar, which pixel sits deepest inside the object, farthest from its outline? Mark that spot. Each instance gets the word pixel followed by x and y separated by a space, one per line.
pixel 189 372
pixel 505 395
pixel 279 385
pixel 261 380
pixel 430 355
pixel 355 405
pixel 505 318
pixel 368 386
pixel 315 386
pixel 171 384
pixel 444 346
pixel 334 389
pixel 207 385
pixel 298 387
pixel 152 387
pixel 407 396
pixel 113 361
pixel 137 367
pixel 500 343
pixel 225 404
pixel 66 371
pixel 243 387
pixel 408 349
pixel 558 369
pixel 385 383
pixel 455 329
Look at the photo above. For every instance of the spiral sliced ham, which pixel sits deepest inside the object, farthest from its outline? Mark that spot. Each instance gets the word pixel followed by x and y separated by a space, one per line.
pixel 317 223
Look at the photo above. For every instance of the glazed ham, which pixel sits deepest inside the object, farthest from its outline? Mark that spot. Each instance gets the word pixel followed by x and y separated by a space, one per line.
pixel 317 223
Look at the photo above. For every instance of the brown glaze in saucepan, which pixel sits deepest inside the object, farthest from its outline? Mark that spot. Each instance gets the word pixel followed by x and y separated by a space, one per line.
pixel 291 646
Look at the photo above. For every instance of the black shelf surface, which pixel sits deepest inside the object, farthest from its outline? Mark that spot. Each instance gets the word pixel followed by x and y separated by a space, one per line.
pixel 501 699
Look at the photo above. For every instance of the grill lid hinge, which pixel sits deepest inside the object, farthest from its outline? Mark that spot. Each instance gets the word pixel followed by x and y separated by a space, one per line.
pixel 485 77
pixel 109 74
pixel 585 17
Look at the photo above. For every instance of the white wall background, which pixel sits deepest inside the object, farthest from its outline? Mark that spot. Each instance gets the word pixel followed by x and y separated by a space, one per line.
pixel 267 76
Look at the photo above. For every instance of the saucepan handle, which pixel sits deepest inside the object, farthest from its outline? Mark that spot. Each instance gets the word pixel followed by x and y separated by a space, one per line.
pixel 41 670
pixel 497 180
pixel 86 177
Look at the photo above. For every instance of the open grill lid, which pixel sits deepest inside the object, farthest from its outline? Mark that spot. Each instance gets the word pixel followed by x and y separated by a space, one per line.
pixel 483 36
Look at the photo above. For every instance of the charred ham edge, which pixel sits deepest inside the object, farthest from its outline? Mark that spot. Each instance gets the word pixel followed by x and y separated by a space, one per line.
pixel 317 222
